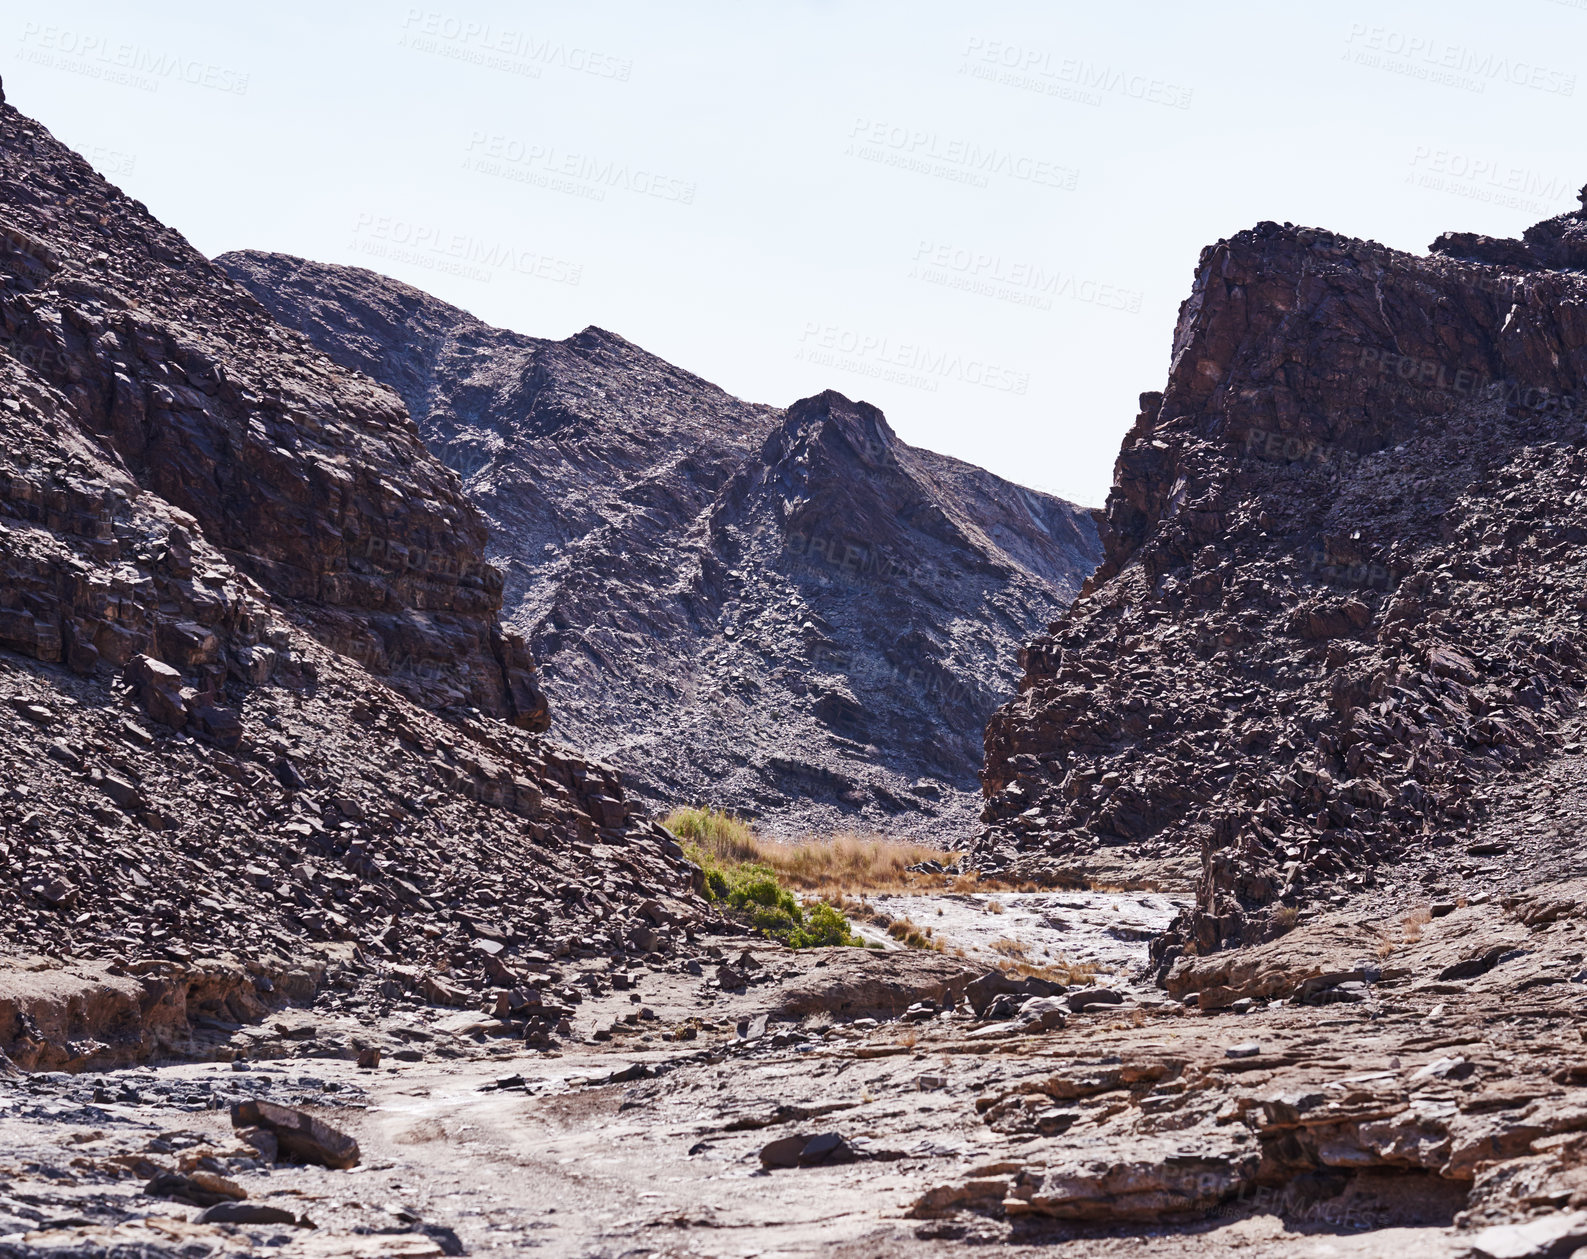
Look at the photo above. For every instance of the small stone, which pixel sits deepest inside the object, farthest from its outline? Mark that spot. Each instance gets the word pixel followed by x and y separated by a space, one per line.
pixel 1248 1050
pixel 56 893
pixel 36 713
pixel 1005 1006
pixel 263 1141
pixel 752 1029
pixel 829 1147
pixel 249 1213
pixel 1052 1122
pixel 783 1152
pixel 202 1189
pixel 121 791
pixel 1078 1001
pixel 1046 1013
pixel 1559 1233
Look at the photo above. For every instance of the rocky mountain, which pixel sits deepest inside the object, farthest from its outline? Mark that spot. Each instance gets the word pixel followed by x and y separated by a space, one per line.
pixel 791 613
pixel 235 592
pixel 1335 644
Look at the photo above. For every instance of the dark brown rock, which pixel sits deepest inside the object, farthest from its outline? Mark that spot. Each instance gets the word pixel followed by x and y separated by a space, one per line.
pixel 299 1135
pixel 208 528
pixel 249 1213
pixel 159 688
pixel 135 367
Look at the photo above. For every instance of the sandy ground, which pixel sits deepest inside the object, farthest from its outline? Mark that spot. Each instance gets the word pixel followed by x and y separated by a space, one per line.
pixel 1103 930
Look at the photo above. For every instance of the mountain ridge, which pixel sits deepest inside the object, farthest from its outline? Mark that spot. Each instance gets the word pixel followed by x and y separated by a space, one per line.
pixel 666 596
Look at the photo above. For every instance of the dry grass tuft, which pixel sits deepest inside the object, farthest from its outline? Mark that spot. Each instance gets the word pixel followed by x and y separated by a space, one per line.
pixel 831 864
pixel 994 907
pixel 1413 923
pixel 1063 971
pixel 849 862
pixel 725 837
pixel 907 933
pixel 1009 948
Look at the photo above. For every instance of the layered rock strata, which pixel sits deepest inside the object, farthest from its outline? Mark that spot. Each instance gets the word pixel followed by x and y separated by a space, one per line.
pixel 235 593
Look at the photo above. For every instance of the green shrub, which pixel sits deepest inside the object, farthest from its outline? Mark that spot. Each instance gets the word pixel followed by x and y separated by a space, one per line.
pixel 751 892
pixel 824 928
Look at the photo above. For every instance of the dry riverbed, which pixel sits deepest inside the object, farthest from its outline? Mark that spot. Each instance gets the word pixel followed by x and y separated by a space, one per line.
pixel 754 1101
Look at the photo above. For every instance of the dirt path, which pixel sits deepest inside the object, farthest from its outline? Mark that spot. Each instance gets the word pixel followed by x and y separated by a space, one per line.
pixel 662 1167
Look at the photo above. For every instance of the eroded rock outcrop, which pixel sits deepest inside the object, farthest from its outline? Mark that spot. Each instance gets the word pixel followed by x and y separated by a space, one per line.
pixel 1337 604
pixel 161 420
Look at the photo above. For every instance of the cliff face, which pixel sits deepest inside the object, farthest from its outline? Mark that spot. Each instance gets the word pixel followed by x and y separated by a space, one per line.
pixel 793 614
pixel 162 378
pixel 1340 600
pixel 232 584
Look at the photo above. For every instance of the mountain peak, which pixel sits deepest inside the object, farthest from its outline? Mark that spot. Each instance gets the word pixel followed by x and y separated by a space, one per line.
pixel 812 574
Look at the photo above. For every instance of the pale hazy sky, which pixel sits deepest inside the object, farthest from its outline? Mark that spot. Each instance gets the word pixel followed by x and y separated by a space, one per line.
pixel 981 217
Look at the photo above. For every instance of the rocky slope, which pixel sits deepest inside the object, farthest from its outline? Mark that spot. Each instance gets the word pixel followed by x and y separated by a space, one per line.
pixel 1340 611
pixel 235 590
pixel 791 613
